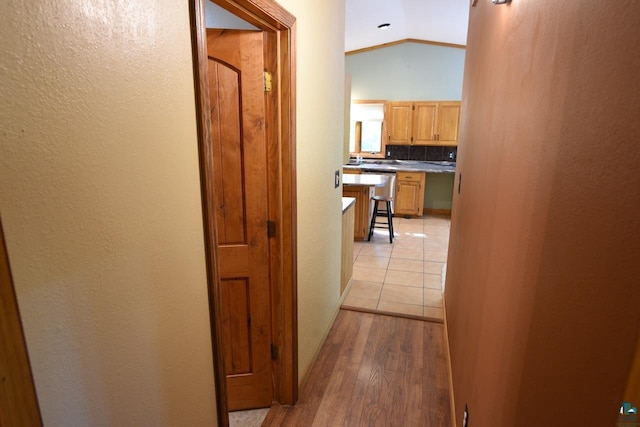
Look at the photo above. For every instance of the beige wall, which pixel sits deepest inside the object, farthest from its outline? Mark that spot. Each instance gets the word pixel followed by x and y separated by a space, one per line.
pixel 542 285
pixel 320 136
pixel 99 195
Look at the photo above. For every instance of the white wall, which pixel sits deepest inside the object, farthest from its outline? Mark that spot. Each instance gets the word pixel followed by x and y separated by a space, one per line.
pixel 320 137
pixel 217 17
pixel 99 195
pixel 407 71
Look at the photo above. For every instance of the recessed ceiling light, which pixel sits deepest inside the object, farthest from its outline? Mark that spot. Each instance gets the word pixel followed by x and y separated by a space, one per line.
pixel 384 26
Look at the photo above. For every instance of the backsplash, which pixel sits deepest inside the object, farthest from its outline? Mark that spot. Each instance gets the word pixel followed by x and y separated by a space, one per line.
pixel 423 152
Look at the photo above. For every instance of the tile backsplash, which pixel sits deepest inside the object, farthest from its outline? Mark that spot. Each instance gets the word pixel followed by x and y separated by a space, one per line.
pixel 423 152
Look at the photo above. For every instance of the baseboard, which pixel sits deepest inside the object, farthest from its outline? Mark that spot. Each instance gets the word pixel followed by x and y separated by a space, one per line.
pixel 446 338
pixel 430 211
pixel 333 316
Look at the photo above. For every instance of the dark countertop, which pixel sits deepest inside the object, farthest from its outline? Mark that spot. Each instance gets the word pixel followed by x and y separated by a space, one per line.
pixel 403 166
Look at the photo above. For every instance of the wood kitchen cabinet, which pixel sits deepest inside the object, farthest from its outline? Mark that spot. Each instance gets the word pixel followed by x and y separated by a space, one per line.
pixel 423 123
pixel 399 119
pixel 409 198
pixel 448 123
pixel 362 208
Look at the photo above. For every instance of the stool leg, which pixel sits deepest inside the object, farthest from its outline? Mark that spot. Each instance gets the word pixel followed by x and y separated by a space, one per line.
pixel 392 230
pixel 373 220
pixel 390 220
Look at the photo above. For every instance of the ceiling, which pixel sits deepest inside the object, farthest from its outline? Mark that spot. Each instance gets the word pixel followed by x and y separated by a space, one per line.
pixel 434 20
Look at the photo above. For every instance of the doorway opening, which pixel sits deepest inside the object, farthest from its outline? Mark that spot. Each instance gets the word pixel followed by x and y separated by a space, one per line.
pixel 263 152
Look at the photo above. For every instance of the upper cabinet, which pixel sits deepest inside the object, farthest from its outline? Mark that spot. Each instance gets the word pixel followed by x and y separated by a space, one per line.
pixel 423 123
pixel 448 123
pixel 399 119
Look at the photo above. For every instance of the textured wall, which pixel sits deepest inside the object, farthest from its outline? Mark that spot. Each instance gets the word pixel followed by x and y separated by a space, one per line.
pixel 542 285
pixel 99 194
pixel 320 136
pixel 407 71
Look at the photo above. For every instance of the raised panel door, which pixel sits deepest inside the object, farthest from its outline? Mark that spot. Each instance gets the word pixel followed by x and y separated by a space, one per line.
pixel 407 196
pixel 448 123
pixel 235 72
pixel 424 123
pixel 399 116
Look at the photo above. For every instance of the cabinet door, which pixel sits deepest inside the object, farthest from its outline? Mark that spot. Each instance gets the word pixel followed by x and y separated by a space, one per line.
pixel 399 123
pixel 448 123
pixel 409 198
pixel 424 123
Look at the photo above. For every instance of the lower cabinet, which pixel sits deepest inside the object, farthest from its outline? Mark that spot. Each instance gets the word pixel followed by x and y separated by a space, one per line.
pixel 409 198
pixel 362 208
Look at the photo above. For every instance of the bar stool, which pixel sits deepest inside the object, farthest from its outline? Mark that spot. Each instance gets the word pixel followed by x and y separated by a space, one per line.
pixel 383 194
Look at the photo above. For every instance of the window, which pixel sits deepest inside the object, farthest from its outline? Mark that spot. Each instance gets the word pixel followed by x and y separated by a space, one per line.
pixel 367 128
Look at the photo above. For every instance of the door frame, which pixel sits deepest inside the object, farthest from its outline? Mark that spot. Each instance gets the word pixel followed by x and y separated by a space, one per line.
pixel 18 398
pixel 278 25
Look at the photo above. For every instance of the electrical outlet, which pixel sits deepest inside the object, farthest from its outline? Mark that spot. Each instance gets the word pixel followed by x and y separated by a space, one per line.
pixel 465 416
pixel 337 179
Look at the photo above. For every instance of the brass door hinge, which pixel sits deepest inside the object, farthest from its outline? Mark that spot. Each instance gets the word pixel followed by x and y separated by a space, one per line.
pixel 268 81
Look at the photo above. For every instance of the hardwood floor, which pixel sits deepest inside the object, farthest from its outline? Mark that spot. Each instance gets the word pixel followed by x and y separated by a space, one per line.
pixel 374 370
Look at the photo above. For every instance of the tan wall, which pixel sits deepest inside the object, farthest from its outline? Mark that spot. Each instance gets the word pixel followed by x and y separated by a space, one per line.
pixel 99 194
pixel 100 199
pixel 542 284
pixel 320 137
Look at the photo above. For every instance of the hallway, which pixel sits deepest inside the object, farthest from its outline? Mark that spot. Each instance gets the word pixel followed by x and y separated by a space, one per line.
pixel 374 370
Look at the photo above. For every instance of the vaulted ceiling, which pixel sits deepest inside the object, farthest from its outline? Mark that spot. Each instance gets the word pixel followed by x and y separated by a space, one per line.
pixel 434 20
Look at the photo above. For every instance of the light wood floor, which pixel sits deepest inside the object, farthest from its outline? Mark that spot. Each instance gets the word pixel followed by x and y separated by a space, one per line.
pixel 374 370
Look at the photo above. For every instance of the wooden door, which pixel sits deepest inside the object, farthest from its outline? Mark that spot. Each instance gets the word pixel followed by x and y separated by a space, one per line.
pixel 448 123
pixel 235 71
pixel 399 122
pixel 424 123
pixel 18 402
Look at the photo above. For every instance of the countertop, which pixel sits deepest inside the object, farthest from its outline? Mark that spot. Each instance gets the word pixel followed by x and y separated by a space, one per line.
pixel 403 166
pixel 368 179
pixel 347 202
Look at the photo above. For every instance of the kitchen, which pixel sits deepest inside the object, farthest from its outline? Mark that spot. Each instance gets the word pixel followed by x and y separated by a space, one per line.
pixel 403 124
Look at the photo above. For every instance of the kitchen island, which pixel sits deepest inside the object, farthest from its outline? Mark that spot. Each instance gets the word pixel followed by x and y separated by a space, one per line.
pixel 346 267
pixel 362 188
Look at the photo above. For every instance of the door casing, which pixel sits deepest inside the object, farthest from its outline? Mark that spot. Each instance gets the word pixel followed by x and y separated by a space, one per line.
pixel 278 26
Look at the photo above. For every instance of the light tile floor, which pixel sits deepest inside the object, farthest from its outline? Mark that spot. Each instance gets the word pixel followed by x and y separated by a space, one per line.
pixel 405 277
